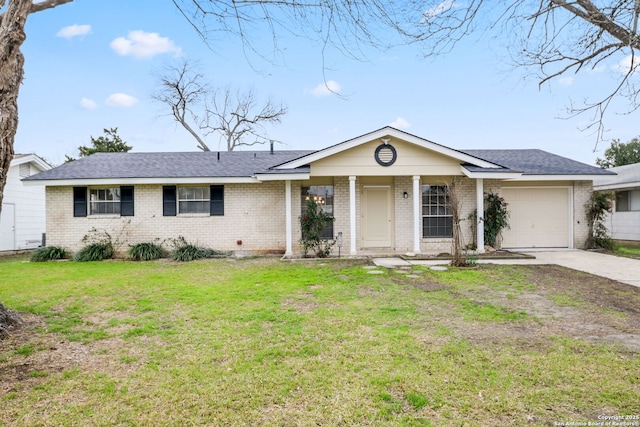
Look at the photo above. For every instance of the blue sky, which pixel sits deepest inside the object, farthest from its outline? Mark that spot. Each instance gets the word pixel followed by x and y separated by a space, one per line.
pixel 92 65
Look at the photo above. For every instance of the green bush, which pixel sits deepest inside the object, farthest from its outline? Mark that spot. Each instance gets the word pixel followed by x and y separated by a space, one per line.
pixel 146 251
pixel 48 253
pixel 312 223
pixel 95 252
pixel 185 251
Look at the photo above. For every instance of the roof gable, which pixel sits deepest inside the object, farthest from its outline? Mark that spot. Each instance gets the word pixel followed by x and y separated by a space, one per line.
pixel 37 162
pixel 387 134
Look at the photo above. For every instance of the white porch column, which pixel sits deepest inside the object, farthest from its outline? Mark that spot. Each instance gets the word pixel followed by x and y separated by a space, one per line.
pixel 287 206
pixel 352 215
pixel 417 218
pixel 480 211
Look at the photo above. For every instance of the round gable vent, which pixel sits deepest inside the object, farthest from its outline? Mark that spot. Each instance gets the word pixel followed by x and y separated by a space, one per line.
pixel 385 155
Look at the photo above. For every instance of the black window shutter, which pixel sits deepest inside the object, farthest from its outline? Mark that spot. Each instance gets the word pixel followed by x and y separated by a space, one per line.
pixel 217 200
pixel 126 201
pixel 79 201
pixel 169 207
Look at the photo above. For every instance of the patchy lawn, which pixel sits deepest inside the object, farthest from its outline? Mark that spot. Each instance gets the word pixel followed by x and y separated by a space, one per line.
pixel 264 342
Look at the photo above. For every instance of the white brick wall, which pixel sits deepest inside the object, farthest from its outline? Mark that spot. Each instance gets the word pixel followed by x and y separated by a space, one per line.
pixel 255 215
pixel 581 193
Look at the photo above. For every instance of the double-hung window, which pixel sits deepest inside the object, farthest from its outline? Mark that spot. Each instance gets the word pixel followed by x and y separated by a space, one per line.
pixel 104 201
pixel 437 220
pixel 194 200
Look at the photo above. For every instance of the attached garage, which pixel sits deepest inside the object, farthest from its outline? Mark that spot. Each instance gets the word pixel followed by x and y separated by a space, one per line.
pixel 540 217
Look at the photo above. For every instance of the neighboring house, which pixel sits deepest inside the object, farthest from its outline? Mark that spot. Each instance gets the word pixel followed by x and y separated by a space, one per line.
pixel 624 221
pixel 386 190
pixel 23 218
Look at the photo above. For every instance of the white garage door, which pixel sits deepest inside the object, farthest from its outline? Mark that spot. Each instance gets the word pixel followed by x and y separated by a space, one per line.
pixel 539 218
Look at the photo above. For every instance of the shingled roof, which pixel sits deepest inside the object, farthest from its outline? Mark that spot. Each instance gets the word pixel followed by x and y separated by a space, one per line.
pixel 171 165
pixel 536 162
pixel 242 164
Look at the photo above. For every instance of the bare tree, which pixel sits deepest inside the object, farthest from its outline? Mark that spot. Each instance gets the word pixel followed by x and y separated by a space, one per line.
pixel 553 37
pixel 181 89
pixel 235 116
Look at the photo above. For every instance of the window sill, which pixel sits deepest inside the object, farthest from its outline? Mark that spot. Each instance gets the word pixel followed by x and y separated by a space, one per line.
pixel 437 239
pixel 104 216
pixel 193 215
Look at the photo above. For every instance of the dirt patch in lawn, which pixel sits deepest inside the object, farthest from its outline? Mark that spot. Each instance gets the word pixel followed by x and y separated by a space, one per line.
pixel 29 356
pixel 560 303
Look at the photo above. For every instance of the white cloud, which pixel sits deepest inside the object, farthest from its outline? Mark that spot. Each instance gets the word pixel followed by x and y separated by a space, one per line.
pixel 330 87
pixel 121 100
pixel 141 44
pixel 400 123
pixel 566 81
pixel 629 63
pixel 88 104
pixel 436 10
pixel 72 31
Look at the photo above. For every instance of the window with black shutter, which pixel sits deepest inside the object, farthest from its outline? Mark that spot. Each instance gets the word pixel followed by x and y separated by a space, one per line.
pixel 126 201
pixel 79 201
pixel 169 206
pixel 217 200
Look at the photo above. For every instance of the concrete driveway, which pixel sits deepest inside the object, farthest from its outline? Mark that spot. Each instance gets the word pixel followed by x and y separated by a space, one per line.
pixel 625 270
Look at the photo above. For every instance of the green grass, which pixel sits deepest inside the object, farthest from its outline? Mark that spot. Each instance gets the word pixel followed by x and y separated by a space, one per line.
pixel 263 342
pixel 627 250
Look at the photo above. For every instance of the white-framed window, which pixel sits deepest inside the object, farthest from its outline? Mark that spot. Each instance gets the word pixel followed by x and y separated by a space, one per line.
pixel 104 201
pixel 437 220
pixel 628 201
pixel 194 200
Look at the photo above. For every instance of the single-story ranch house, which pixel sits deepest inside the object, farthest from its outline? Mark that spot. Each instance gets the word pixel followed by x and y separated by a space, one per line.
pixel 624 220
pixel 387 191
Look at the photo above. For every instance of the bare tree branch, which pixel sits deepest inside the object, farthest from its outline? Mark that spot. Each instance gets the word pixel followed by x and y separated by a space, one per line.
pixel 181 89
pixel 235 116
pixel 47 4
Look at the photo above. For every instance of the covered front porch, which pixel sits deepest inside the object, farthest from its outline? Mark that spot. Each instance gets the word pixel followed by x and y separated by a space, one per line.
pixel 389 215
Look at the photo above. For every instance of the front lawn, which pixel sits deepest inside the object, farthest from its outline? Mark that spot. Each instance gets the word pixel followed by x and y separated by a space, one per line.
pixel 264 342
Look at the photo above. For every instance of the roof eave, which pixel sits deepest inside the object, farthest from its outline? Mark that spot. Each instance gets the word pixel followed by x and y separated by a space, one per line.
pixel 283 176
pixel 490 174
pixel 617 186
pixel 142 181
pixel 557 177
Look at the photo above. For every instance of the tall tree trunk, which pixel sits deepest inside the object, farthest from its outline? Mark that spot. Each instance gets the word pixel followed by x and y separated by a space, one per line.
pixel 12 35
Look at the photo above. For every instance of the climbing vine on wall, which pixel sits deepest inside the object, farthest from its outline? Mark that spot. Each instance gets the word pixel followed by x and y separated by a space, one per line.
pixel 598 206
pixel 496 218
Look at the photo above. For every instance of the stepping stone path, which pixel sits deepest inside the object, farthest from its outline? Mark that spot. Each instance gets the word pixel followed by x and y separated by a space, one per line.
pixel 438 268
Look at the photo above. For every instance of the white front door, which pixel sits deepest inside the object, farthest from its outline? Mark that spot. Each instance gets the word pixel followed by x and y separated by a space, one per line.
pixel 8 227
pixel 377 224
